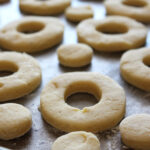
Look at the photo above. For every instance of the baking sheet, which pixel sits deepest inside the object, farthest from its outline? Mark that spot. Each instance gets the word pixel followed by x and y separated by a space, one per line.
pixel 43 135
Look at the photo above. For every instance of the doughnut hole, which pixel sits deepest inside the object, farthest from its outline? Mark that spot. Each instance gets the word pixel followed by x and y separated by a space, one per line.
pixel 7 69
pixel 146 61
pixel 30 27
pixel 112 28
pixel 135 3
pixel 82 94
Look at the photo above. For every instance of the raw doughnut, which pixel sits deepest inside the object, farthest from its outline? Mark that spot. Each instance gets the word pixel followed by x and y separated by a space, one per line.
pixel 112 34
pixel 15 121
pixel 135 131
pixel 77 141
pixel 44 7
pixel 75 55
pixel 135 68
pixel 25 78
pixel 136 9
pixel 77 14
pixel 31 34
pixel 104 115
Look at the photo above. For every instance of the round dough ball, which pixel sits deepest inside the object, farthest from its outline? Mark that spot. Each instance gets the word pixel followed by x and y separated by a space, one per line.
pixel 75 55
pixel 77 141
pixel 135 131
pixel 15 121
pixel 77 14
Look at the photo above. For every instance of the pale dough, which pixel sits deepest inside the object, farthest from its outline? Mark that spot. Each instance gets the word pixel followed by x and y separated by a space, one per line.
pixel 15 121
pixel 114 33
pixel 135 69
pixel 77 141
pixel 74 55
pixel 77 14
pixel 26 76
pixel 104 115
pixel 44 7
pixel 31 34
pixel 136 9
pixel 135 131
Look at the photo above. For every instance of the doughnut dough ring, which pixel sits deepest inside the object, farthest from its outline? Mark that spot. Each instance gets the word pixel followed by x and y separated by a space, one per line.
pixel 75 55
pixel 49 7
pixel 133 34
pixel 104 115
pixel 135 131
pixel 77 14
pixel 77 141
pixel 15 121
pixel 48 32
pixel 134 68
pixel 26 76
pixel 123 8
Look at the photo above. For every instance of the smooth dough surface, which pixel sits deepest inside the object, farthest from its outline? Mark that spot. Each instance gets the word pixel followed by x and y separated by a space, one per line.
pixel 15 121
pixel 77 14
pixel 135 131
pixel 135 69
pixel 104 115
pixel 75 55
pixel 26 75
pixel 114 33
pixel 41 7
pixel 136 9
pixel 31 34
pixel 77 141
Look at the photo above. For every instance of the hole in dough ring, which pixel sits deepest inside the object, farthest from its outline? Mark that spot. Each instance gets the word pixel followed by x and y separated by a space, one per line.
pixel 41 7
pixel 132 33
pixel 140 11
pixel 135 131
pixel 134 68
pixel 104 115
pixel 26 78
pixel 18 36
pixel 77 140
pixel 15 121
pixel 75 55
pixel 77 14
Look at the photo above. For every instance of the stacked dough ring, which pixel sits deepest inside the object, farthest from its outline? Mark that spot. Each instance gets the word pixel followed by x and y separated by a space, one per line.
pixel 99 34
pixel 137 9
pixel 134 68
pixel 48 7
pixel 104 115
pixel 15 121
pixel 135 131
pixel 31 34
pixel 77 14
pixel 74 55
pixel 25 78
pixel 77 141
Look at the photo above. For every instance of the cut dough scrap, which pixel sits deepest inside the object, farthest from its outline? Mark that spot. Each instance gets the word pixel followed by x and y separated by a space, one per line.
pixel 136 9
pixel 135 131
pixel 135 69
pixel 77 141
pixel 44 7
pixel 112 34
pixel 75 55
pixel 26 75
pixel 104 115
pixel 77 14
pixel 32 34
pixel 15 121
